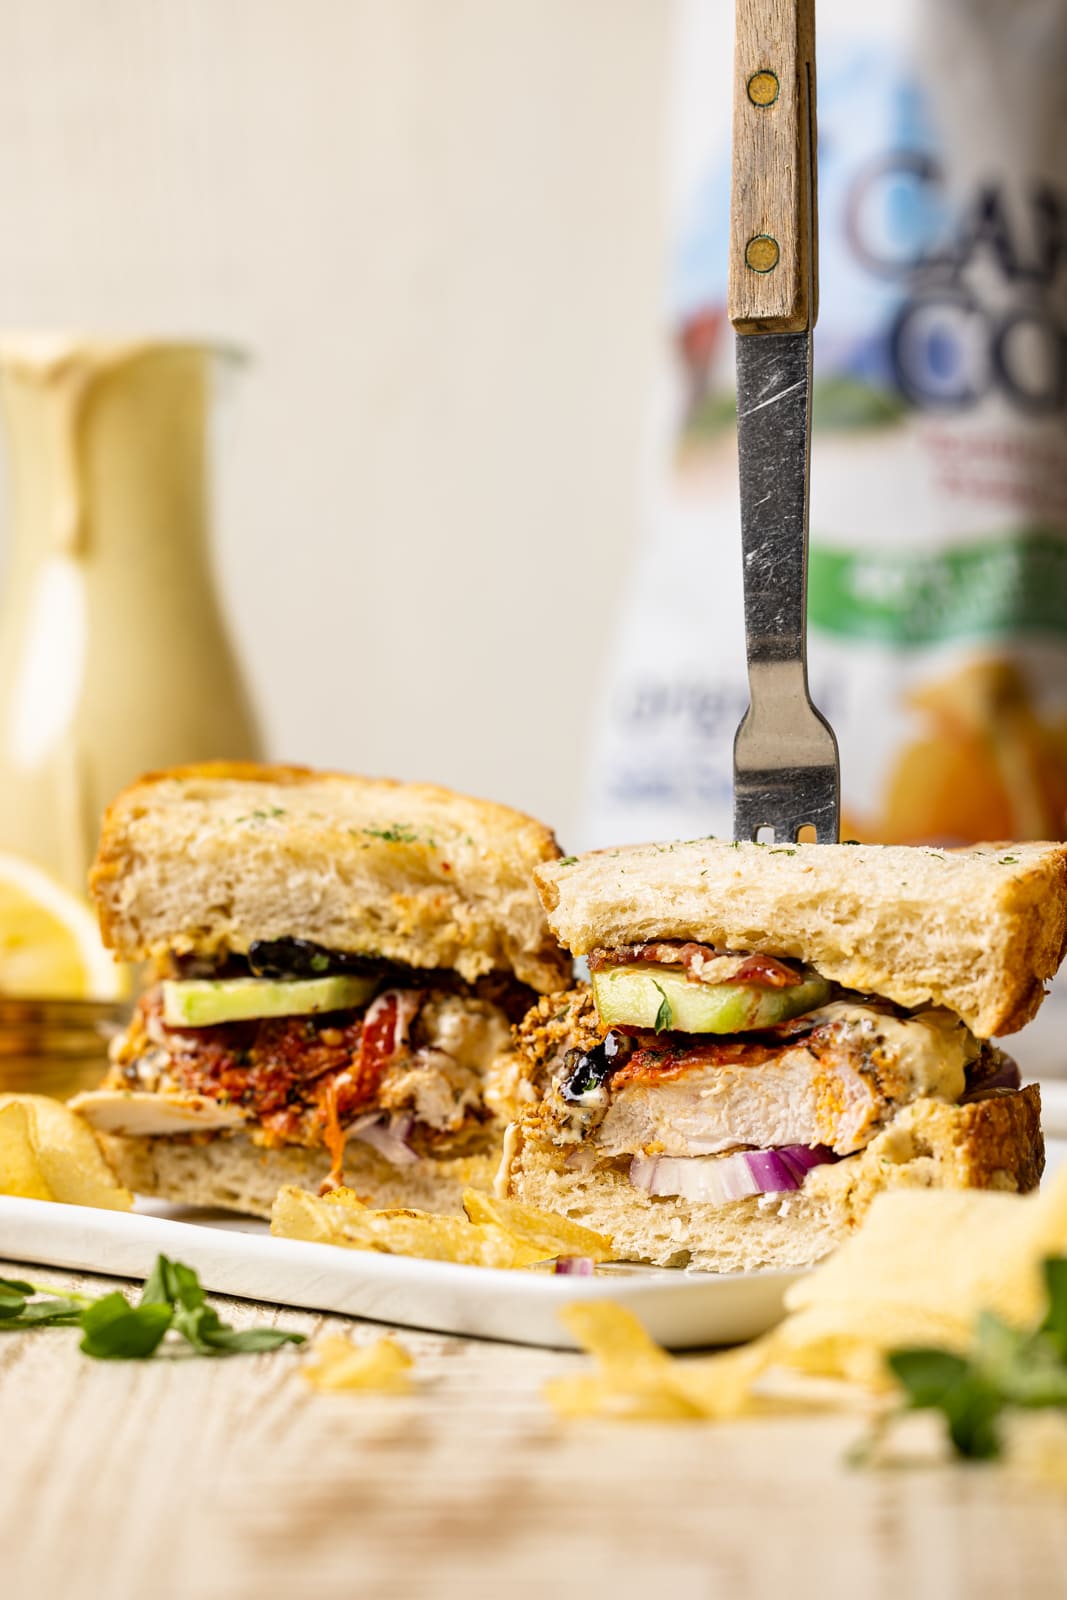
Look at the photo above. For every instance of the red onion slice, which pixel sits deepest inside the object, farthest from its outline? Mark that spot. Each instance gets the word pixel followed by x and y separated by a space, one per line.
pixel 573 1266
pixel 1003 1074
pixel 389 1138
pixel 716 1180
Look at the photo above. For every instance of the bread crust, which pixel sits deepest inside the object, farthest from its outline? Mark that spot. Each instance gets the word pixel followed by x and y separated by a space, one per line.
pixel 203 858
pixel 228 1171
pixel 981 931
pixel 993 1143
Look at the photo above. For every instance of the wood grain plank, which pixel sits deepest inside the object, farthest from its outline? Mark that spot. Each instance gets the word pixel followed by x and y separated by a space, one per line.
pixel 232 1478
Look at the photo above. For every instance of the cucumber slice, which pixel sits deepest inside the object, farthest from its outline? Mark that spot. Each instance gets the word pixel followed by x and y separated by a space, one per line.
pixel 202 1003
pixel 648 996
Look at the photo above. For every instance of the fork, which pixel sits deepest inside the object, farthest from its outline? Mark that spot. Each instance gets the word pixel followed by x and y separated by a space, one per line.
pixel 786 769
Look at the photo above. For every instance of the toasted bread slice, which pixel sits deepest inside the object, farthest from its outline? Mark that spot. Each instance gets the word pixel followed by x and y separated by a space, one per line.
pixel 209 858
pixel 231 1172
pixel 994 1143
pixel 980 931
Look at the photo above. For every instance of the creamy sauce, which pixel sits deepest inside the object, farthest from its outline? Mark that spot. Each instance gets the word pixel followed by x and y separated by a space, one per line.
pixel 933 1048
pixel 512 1146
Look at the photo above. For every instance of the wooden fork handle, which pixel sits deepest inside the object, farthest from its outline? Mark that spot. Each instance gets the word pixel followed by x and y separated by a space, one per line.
pixel 773 275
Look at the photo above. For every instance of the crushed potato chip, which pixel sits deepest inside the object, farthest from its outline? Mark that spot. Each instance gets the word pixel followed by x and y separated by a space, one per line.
pixel 340 1363
pixel 612 1334
pixel 556 1236
pixel 638 1381
pixel 47 1152
pixel 339 1220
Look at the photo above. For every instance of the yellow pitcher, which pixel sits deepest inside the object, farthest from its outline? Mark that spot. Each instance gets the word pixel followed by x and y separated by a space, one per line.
pixel 114 655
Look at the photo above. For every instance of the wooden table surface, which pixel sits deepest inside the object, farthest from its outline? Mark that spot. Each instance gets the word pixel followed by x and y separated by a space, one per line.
pixel 232 1478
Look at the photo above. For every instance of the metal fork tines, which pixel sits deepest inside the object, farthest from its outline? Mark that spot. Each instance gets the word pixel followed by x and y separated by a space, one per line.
pixel 786 774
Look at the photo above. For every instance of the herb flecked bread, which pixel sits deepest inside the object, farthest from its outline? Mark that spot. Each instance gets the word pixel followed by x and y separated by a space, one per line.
pixel 980 931
pixel 205 859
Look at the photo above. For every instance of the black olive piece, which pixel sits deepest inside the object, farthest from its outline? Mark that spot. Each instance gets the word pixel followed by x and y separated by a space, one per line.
pixel 587 1069
pixel 300 958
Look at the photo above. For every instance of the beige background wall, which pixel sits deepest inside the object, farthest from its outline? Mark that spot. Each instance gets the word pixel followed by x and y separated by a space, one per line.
pixel 438 226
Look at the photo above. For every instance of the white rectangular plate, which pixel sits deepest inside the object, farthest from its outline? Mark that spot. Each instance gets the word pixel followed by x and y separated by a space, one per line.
pixel 237 1256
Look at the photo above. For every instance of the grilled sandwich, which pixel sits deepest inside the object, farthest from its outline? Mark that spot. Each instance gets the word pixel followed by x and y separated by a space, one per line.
pixel 770 1036
pixel 333 968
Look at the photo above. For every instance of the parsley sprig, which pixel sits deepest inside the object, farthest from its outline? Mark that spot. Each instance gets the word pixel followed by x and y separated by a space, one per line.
pixel 172 1301
pixel 664 1014
pixel 1006 1369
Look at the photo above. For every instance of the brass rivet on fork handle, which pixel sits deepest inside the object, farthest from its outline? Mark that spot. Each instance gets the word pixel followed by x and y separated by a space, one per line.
pixel 763 88
pixel 785 754
pixel 762 253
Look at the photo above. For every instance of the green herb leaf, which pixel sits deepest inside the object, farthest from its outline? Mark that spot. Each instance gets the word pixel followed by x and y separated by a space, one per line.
pixel 51 1313
pixel 927 1374
pixel 566 861
pixel 12 1301
pixel 234 1341
pixel 1055 1323
pixel 20 1307
pixel 972 1416
pixel 113 1330
pixel 172 1299
pixel 210 1336
pixel 16 1286
pixel 937 1380
pixel 1006 1367
pixel 171 1283
pixel 398 833
pixel 664 1015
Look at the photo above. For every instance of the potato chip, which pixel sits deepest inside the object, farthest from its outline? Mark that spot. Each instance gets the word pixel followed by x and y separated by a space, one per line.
pixel 638 1381
pixel 926 1262
pixel 341 1363
pixel 627 1395
pixel 65 1158
pixel 612 1334
pixel 20 1170
pixel 557 1236
pixel 344 1196
pixel 335 1220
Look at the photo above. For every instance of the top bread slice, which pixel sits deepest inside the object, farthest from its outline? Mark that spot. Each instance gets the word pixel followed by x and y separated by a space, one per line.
pixel 980 931
pixel 206 859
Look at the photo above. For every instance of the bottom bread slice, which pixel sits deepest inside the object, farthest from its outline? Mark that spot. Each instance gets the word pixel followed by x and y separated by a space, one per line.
pixel 231 1172
pixel 992 1143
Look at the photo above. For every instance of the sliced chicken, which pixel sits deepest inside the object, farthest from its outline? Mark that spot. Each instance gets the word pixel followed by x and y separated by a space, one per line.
pixel 837 1085
pixel 136 1113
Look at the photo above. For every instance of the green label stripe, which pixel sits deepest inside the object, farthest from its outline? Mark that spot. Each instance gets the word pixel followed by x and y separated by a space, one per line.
pixel 996 586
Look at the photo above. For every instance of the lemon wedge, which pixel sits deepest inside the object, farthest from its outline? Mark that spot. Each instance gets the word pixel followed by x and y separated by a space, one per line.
pixel 50 946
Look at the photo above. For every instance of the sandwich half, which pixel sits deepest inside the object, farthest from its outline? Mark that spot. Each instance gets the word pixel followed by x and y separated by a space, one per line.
pixel 333 967
pixel 773 1035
